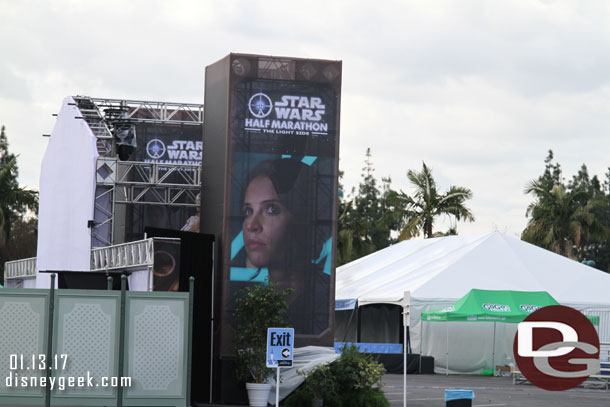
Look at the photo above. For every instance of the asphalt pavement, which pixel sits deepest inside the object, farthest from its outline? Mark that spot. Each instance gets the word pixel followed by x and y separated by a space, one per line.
pixel 489 391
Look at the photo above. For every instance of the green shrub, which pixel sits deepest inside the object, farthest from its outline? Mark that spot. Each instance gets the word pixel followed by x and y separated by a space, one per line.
pixel 366 398
pixel 299 398
pixel 353 380
pixel 320 383
pixel 356 370
pixel 302 397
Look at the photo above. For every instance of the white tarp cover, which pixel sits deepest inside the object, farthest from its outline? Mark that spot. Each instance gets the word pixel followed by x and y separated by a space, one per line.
pixel 304 360
pixel 439 271
pixel 67 196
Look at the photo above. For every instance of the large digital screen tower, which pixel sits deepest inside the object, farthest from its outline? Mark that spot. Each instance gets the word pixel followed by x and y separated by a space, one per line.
pixel 269 172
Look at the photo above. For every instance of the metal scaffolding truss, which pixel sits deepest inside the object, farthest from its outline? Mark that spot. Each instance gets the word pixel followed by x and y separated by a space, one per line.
pixel 133 255
pixel 135 182
pixel 127 256
pixel 155 112
pixel 102 233
pixel 93 116
pixel 153 183
pixel 124 182
pixel 105 115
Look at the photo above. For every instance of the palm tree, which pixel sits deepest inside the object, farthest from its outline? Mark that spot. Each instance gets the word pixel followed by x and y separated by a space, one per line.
pixel 559 219
pixel 13 199
pixel 352 241
pixel 427 204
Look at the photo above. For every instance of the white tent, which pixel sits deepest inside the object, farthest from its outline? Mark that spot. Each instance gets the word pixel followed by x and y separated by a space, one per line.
pixel 439 271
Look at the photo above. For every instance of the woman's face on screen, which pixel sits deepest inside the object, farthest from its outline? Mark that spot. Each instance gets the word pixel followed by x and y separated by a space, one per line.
pixel 266 221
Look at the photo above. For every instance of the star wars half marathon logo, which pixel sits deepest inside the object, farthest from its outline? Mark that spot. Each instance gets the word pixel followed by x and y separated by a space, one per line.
pixel 556 348
pixel 179 152
pixel 289 114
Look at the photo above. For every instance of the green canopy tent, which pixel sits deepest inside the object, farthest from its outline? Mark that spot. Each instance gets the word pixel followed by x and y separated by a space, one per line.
pixel 492 306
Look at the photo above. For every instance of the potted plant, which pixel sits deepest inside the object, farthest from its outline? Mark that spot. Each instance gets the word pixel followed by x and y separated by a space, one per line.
pixel 257 308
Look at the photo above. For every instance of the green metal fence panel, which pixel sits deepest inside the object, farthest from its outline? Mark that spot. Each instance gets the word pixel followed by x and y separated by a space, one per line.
pixel 84 358
pixel 156 349
pixel 23 344
pixel 85 344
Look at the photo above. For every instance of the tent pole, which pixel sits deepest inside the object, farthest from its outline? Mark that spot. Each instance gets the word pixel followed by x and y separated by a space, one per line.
pixel 493 351
pixel 421 340
pixel 404 362
pixel 447 335
pixel 349 323
pixel 406 321
pixel 358 325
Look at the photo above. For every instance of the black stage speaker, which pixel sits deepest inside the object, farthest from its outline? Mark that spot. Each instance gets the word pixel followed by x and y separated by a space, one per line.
pixel 393 363
pixel 196 259
pixel 426 365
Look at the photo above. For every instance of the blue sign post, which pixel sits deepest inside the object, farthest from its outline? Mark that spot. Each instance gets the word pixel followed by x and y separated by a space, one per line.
pixel 280 346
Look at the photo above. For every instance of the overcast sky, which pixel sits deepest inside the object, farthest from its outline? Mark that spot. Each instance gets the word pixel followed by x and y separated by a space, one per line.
pixel 479 90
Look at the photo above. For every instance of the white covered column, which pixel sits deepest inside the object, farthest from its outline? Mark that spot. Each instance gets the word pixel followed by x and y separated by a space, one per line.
pixel 67 196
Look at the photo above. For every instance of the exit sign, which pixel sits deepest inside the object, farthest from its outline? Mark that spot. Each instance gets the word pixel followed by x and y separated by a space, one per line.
pixel 280 345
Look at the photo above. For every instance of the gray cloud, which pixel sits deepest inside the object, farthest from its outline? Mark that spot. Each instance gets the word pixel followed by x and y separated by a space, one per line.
pixel 480 90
